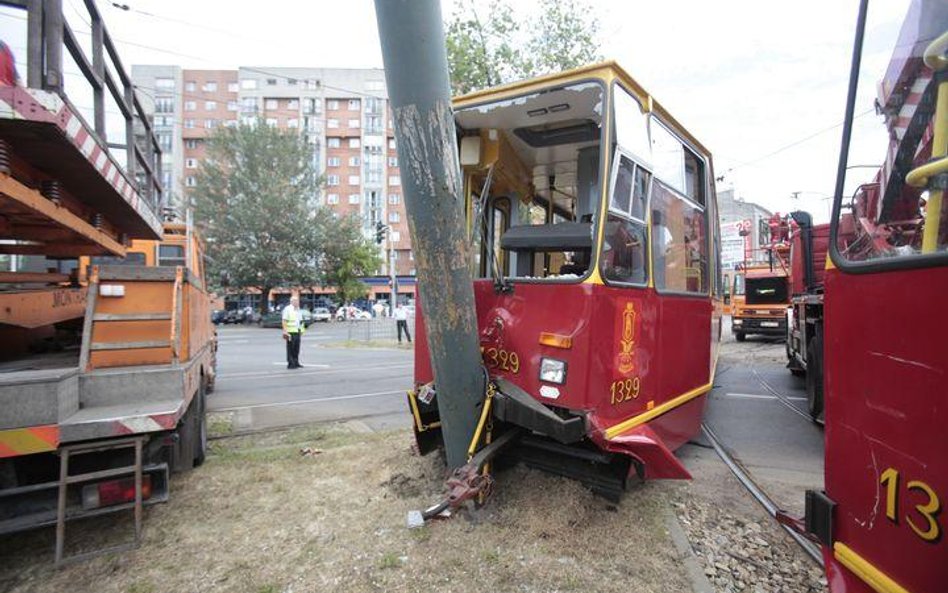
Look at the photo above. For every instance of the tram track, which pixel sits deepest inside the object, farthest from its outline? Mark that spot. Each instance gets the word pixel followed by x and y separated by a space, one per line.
pixel 759 494
pixel 780 396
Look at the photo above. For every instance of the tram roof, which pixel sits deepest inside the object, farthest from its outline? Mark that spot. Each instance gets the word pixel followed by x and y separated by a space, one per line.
pixel 607 71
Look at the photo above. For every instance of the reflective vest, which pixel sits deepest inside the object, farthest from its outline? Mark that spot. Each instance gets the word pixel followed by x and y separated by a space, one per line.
pixel 294 321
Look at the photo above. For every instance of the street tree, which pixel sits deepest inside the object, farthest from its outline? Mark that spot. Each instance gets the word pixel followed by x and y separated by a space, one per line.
pixel 255 197
pixel 487 48
pixel 346 256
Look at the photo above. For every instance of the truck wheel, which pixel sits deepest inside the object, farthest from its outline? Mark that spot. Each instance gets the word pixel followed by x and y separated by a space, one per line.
pixel 199 448
pixel 814 376
pixel 740 336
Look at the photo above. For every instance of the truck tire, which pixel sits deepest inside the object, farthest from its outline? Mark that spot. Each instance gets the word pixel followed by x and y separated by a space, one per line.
pixel 740 336
pixel 199 443
pixel 814 376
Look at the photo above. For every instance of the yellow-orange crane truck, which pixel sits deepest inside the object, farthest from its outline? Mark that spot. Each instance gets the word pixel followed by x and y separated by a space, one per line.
pixel 106 346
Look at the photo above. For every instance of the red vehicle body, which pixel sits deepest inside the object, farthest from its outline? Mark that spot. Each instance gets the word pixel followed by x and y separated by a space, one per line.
pixel 881 517
pixel 805 340
pixel 637 359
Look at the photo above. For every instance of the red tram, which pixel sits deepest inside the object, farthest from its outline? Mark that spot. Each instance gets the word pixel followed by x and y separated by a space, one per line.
pixel 881 517
pixel 597 276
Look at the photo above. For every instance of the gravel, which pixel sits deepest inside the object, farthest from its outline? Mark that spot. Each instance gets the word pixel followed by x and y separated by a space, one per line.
pixel 745 553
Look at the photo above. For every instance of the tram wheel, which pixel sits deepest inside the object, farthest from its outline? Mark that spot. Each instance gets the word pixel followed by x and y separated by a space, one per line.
pixel 814 377
pixel 740 336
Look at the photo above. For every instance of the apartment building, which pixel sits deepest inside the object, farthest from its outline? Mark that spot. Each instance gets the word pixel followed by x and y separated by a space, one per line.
pixel 343 113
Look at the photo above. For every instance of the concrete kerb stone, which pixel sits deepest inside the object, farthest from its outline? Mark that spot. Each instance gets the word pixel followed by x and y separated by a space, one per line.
pixel 693 571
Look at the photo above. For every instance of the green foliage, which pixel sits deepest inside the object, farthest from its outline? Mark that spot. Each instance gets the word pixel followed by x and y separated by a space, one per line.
pixel 255 198
pixel 346 256
pixel 496 47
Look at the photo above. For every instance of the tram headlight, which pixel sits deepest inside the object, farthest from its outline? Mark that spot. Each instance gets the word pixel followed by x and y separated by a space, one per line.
pixel 552 370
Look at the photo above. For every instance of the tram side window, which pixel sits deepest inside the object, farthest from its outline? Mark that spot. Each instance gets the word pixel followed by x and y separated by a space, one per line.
pixel 679 245
pixel 625 242
pixel 132 258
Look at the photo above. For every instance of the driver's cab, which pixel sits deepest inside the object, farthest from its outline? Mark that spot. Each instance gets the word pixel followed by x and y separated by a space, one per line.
pixel 569 178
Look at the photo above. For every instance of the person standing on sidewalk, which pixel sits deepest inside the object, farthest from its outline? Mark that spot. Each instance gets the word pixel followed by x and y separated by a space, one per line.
pixel 293 332
pixel 401 322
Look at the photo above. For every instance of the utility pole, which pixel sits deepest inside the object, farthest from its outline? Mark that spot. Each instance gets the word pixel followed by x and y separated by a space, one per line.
pixel 416 72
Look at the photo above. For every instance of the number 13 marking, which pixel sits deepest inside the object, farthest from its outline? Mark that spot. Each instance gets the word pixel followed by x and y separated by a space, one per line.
pixel 890 479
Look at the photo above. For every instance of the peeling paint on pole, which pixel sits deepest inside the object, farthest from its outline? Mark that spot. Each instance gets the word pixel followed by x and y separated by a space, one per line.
pixel 416 71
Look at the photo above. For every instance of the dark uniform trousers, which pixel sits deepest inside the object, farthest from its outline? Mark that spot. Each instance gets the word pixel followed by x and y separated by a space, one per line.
pixel 293 350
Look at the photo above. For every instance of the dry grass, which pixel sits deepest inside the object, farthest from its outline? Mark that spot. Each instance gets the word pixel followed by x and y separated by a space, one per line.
pixel 261 518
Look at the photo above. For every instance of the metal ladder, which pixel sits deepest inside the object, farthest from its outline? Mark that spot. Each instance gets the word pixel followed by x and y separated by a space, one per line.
pixel 65 480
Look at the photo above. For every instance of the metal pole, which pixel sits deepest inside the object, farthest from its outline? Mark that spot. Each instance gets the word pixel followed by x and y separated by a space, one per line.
pixel 416 72
pixel 53 32
pixel 34 44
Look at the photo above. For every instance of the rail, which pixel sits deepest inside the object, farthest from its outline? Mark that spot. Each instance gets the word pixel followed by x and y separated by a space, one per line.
pixel 811 549
pixel 47 34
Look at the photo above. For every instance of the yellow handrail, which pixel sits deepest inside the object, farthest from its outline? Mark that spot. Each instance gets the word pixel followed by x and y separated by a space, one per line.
pixel 936 60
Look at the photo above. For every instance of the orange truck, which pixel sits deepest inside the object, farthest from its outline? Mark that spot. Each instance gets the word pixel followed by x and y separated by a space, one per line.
pixel 107 347
pixel 760 293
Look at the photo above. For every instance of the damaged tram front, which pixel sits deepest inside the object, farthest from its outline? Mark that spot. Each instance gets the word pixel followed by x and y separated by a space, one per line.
pixel 597 281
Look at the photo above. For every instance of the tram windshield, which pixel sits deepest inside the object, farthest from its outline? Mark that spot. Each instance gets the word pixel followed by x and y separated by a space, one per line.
pixel 532 178
pixel 891 207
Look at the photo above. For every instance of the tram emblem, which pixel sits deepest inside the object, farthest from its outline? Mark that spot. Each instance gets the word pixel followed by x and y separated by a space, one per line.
pixel 627 341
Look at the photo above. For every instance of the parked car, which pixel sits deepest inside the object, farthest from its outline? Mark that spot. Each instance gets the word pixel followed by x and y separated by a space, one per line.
pixel 275 319
pixel 217 317
pixel 321 314
pixel 352 313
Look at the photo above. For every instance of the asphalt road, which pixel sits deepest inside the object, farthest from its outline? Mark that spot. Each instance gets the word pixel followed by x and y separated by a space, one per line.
pixel 758 410
pixel 772 436
pixel 336 383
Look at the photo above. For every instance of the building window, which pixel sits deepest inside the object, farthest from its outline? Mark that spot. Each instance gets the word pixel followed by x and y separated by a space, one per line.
pixel 394 180
pixel 291 81
pixel 393 217
pixel 332 180
pixel 190 143
pixel 355 198
pixel 312 85
pixel 210 105
pixel 312 106
pixel 353 180
pixel 396 236
pixel 293 104
pixel 232 87
pixel 354 161
pixel 248 104
pixel 332 123
pixel 190 86
pixel 333 198
pixel 271 104
pixel 393 161
pixel 333 142
pixel 333 161
pixel 190 181
pixel 190 105
pixel 164 83
pixel 353 123
pixel 271 82
pixel 164 141
pixel 210 124
pixel 164 104
pixel 353 104
pixel 188 124
pixel 190 163
pixel 210 87
pixel 354 143
pixel 248 84
pixel 292 123
pixel 332 105
pixel 232 106
pixel 272 122
pixel 394 199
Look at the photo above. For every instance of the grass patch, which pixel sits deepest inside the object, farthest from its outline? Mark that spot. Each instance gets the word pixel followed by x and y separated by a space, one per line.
pixel 220 424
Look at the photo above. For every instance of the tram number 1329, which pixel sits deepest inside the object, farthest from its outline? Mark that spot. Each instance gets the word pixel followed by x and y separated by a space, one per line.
pixel 623 390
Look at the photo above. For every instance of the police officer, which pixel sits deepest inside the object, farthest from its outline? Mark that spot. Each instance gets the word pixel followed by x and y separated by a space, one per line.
pixel 292 332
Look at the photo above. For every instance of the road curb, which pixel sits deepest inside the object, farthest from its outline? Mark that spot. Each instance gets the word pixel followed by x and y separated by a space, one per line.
pixel 693 571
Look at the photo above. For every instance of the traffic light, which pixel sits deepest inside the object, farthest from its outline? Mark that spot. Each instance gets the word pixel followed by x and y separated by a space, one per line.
pixel 380 232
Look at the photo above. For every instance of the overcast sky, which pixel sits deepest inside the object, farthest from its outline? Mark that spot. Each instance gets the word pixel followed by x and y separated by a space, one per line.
pixel 748 78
